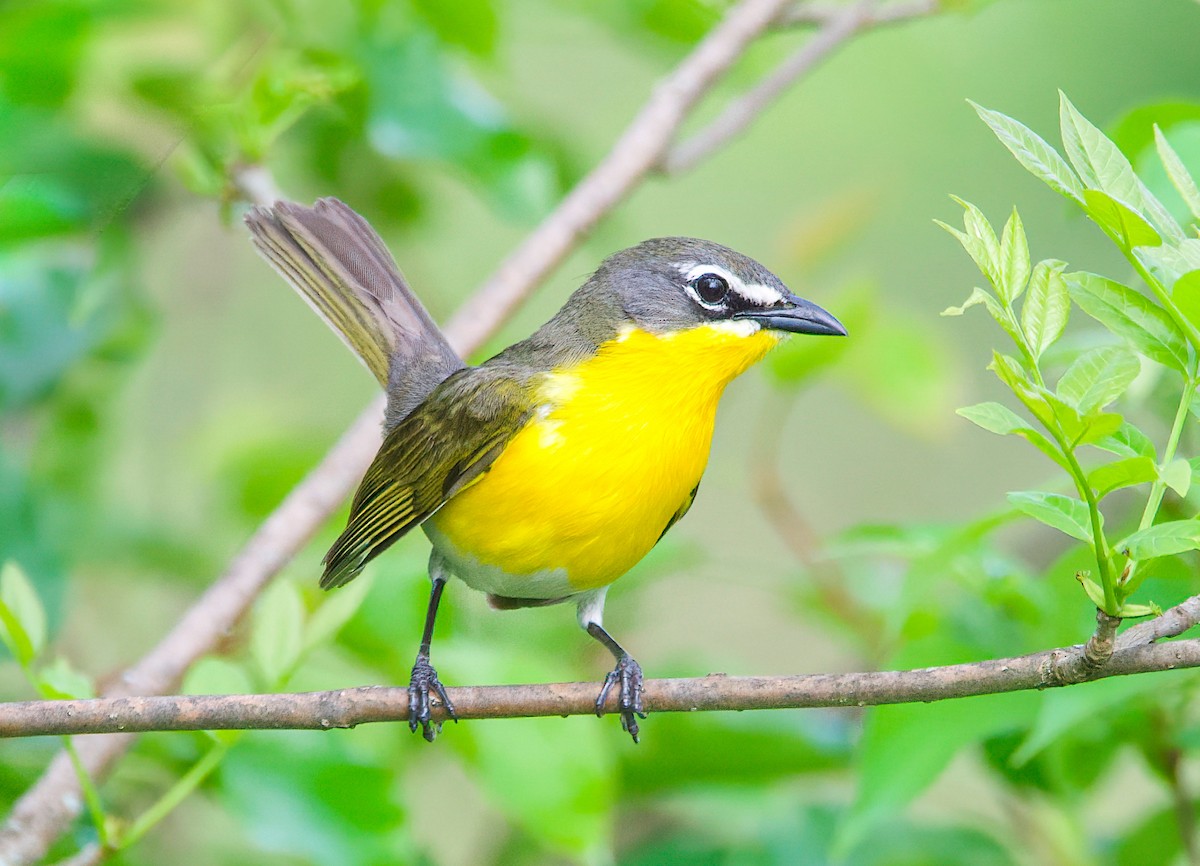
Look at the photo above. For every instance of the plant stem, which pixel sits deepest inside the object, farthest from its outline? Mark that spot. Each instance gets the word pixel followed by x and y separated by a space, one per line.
pixel 1159 488
pixel 91 795
pixel 178 792
pixel 1099 542
pixel 1164 297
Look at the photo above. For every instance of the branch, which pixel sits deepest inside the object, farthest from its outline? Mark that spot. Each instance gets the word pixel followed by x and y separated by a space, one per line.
pixel 346 708
pixel 48 808
pixel 1174 621
pixel 838 23
pixel 812 13
pixel 640 148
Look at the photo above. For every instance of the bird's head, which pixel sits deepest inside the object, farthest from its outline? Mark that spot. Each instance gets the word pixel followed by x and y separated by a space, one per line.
pixel 666 285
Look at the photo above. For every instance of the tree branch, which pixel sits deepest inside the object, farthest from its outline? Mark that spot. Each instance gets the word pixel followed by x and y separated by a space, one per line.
pixel 1174 621
pixel 813 13
pixel 48 808
pixel 346 708
pixel 838 24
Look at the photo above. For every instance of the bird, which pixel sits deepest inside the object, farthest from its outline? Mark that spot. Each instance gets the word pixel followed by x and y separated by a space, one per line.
pixel 546 472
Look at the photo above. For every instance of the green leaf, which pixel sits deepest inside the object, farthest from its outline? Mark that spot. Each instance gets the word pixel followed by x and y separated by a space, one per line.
pixel 1163 539
pixel 1169 262
pixel 994 417
pixel 277 630
pixel 1128 441
pixel 22 617
pixel 1180 177
pixel 1122 473
pixel 61 682
pixel 1099 162
pixel 1064 513
pixel 216 676
pixel 1094 591
pixel 998 418
pixel 1132 316
pixel 1132 611
pixel 1178 476
pixel 1038 157
pixel 979 240
pixel 1014 259
pixel 978 296
pixel 1098 377
pixel 998 313
pixel 1186 294
pixel 1120 219
pixel 1044 313
pixel 1102 166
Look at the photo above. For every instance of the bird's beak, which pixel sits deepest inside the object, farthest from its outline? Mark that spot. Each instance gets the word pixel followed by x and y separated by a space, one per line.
pixel 796 316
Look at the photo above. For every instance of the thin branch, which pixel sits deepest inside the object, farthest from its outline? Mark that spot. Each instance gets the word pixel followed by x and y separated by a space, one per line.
pixel 1172 623
pixel 639 149
pixel 838 24
pixel 812 13
pixel 48 808
pixel 346 708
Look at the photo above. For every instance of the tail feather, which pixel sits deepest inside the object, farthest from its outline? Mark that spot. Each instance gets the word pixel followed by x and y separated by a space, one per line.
pixel 337 263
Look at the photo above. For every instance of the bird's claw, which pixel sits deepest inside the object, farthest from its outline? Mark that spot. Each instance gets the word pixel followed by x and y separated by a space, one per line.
pixel 627 675
pixel 424 679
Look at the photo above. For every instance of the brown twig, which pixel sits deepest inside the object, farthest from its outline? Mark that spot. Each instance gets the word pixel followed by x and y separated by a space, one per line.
pixel 1172 623
pixel 838 23
pixel 639 149
pixel 346 708
pixel 812 13
pixel 46 809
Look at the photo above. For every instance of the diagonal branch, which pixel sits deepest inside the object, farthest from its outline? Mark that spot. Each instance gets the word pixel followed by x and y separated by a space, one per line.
pixel 816 13
pixel 838 24
pixel 346 708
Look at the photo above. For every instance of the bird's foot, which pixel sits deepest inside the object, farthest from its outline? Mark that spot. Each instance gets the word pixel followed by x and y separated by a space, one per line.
pixel 627 675
pixel 425 679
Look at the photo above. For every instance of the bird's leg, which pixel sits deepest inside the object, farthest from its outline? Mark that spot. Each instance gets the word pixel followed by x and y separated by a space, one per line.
pixel 627 676
pixel 424 677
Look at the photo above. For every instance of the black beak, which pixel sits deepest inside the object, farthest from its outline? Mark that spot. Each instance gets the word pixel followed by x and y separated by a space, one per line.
pixel 796 316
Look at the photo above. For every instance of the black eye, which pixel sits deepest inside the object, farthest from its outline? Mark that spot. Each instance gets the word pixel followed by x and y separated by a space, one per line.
pixel 711 288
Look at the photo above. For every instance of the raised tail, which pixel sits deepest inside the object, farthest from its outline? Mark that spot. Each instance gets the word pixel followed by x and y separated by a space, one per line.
pixel 337 263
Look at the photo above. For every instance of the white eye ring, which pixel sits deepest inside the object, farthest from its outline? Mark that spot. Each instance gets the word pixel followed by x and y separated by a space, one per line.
pixel 695 272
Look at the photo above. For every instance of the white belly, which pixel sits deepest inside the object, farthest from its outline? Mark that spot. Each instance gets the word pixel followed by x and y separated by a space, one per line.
pixel 547 583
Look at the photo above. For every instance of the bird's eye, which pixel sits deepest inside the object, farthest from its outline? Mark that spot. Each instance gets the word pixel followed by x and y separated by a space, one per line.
pixel 710 288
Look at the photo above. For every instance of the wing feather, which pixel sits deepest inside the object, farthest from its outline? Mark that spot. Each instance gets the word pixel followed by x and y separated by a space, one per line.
pixel 442 447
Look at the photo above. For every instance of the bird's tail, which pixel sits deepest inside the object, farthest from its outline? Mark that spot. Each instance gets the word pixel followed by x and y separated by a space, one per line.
pixel 337 263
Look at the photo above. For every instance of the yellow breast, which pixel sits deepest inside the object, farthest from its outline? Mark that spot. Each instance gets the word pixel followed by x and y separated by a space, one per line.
pixel 618 443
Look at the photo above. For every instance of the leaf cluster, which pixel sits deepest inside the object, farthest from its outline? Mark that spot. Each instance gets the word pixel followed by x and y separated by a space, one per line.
pixel 1151 333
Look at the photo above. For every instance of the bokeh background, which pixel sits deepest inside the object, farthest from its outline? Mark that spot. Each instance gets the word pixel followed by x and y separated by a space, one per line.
pixel 162 389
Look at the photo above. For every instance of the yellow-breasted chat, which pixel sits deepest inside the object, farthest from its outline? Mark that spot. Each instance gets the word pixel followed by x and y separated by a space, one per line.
pixel 546 472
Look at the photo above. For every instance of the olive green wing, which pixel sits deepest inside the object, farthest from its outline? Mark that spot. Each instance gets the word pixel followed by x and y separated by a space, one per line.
pixel 445 444
pixel 680 511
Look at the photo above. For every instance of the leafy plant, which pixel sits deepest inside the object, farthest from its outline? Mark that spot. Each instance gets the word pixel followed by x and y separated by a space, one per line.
pixel 1155 333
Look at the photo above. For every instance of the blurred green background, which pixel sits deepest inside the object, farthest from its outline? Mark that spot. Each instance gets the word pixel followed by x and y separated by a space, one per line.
pixel 161 390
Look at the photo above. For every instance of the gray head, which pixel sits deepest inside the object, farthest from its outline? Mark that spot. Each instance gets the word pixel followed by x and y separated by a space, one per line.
pixel 665 285
pixel 668 284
